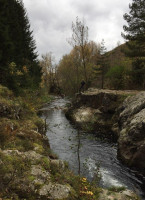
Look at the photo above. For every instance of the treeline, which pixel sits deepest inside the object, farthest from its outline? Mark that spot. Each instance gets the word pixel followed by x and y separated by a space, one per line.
pixel 85 62
pixel 19 67
pixel 121 68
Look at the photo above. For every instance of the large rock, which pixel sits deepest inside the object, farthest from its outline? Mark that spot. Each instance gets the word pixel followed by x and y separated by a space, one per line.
pixel 122 195
pixel 108 114
pixel 40 173
pixel 105 100
pixel 131 123
pixel 55 191
pixel 94 109
pixel 30 155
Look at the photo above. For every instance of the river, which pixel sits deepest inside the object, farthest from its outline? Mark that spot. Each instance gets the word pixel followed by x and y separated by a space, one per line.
pixel 87 154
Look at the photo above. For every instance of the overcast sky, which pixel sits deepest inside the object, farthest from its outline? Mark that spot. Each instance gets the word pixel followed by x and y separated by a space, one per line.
pixel 51 22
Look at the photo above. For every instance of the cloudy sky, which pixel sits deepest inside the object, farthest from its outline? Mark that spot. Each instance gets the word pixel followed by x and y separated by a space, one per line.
pixel 51 22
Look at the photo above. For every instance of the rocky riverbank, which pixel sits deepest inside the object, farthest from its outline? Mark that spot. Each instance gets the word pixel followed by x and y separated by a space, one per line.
pixel 95 110
pixel 117 115
pixel 28 168
pixel 131 131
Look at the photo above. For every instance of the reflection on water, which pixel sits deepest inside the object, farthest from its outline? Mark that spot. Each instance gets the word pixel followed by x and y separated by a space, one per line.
pixel 84 151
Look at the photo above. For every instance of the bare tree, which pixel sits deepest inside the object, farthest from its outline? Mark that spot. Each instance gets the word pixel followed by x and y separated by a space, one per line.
pixel 48 69
pixel 79 40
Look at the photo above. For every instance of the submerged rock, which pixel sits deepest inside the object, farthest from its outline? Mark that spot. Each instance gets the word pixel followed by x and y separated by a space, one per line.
pixel 85 114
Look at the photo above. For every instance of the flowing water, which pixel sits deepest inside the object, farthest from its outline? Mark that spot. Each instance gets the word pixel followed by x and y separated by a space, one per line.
pixel 86 153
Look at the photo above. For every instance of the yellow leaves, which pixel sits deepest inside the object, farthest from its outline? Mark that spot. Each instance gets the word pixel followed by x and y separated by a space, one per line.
pixel 12 67
pixel 19 73
pixel 25 69
pixel 87 193
pixel 84 190
pixel 84 180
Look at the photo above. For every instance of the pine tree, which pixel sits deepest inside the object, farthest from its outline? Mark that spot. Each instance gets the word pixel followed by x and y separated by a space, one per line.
pixel 135 35
pixel 101 63
pixel 18 57
pixel 6 45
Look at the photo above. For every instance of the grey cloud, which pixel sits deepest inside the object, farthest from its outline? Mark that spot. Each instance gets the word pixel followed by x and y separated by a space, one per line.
pixel 51 21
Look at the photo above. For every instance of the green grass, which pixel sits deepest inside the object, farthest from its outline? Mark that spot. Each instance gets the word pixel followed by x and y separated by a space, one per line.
pixel 116 189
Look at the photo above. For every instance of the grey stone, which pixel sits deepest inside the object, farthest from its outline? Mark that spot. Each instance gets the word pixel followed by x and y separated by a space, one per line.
pixel 55 191
pixel 57 163
pixel 123 195
pixel 131 123
pixel 40 173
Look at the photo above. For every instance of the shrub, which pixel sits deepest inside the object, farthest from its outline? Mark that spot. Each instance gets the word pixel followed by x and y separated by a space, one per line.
pixel 117 76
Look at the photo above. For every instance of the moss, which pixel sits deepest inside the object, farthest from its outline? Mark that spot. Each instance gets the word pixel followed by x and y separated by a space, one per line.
pixel 49 152
pixel 109 193
pixel 116 189
pixel 19 144
pixel 12 168
pixel 40 124
pixel 38 148
pixel 46 98
pixel 45 163
pixel 5 92
pixel 31 178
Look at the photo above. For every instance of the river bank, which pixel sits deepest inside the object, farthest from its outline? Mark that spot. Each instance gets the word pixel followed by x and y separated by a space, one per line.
pixel 28 167
pixel 116 115
pixel 85 152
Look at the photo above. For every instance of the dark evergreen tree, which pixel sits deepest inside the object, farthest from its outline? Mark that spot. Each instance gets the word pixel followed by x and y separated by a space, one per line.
pixel 18 57
pixel 101 63
pixel 6 45
pixel 135 36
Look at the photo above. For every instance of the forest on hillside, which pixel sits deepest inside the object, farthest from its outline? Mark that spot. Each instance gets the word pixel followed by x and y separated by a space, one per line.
pixel 121 68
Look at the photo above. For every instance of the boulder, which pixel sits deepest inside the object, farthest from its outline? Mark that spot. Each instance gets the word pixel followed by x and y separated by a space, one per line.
pixel 131 124
pixel 57 163
pixel 55 191
pixel 30 155
pixel 40 173
pixel 93 111
pixel 122 195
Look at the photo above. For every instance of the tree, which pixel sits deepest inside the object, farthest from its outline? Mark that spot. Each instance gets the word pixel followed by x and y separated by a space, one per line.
pixel 71 70
pixel 17 46
pixel 118 76
pixel 48 71
pixel 6 45
pixel 68 74
pixel 79 40
pixel 135 35
pixel 101 62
